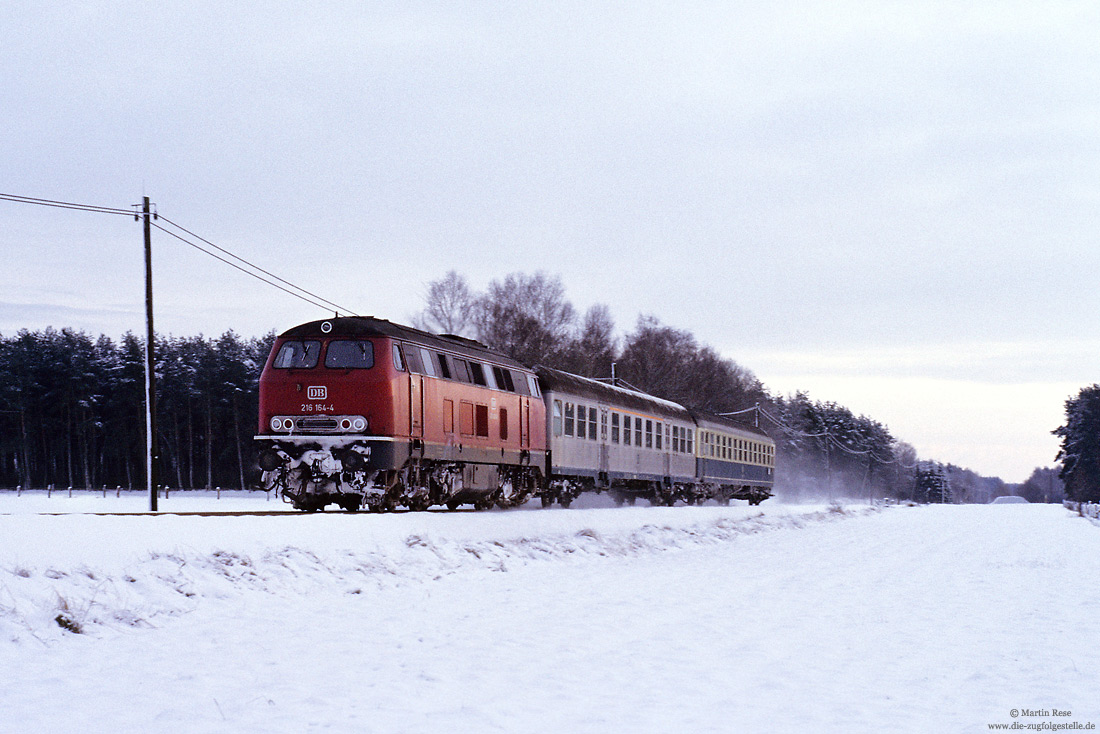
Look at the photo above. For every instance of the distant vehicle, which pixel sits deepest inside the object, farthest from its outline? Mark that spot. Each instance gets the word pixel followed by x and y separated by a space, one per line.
pixel 368 414
pixel 1010 499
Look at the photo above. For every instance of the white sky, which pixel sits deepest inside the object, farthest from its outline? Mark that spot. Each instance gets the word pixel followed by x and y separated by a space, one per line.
pixel 890 205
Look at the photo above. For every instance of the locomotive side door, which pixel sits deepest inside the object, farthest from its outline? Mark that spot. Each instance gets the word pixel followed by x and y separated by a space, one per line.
pixel 525 422
pixel 416 405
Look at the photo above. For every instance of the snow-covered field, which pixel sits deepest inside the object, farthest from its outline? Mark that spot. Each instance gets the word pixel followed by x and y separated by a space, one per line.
pixel 698 619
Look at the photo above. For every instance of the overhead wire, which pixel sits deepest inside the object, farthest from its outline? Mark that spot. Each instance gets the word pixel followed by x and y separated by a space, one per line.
pixel 243 270
pixel 66 205
pixel 830 438
pixel 252 265
pixel 309 297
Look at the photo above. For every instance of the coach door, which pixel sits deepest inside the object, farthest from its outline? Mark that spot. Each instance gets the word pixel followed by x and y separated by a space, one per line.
pixel 605 449
pixel 525 422
pixel 416 405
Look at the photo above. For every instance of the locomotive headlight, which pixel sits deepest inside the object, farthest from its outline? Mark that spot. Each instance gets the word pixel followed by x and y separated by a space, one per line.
pixel 276 424
pixel 358 423
pixel 345 424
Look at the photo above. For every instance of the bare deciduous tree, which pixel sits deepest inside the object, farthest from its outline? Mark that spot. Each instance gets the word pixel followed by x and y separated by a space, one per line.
pixel 449 306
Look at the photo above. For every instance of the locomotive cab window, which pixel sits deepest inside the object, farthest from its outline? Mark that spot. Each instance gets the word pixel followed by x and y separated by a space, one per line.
pixel 298 355
pixel 398 361
pixel 350 355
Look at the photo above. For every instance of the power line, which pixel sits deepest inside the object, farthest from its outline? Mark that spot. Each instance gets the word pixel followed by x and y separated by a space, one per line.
pixel 66 205
pixel 254 266
pixel 830 438
pixel 243 270
pixel 311 298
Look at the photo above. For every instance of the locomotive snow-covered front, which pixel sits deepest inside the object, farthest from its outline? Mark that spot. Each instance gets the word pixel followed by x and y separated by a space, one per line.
pixel 365 413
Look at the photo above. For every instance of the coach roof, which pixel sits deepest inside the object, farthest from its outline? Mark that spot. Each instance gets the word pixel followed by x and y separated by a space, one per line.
pixel 368 326
pixel 613 395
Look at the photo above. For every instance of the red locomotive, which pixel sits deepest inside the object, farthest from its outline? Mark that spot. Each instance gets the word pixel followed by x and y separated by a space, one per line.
pixel 365 413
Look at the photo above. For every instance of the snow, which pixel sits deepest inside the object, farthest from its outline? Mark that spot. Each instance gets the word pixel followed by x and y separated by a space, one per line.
pixel 708 619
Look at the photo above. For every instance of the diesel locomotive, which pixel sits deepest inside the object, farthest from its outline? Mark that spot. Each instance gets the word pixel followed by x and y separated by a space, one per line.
pixel 367 414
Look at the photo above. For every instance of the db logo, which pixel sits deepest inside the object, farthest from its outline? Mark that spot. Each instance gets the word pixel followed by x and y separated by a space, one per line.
pixel 317 392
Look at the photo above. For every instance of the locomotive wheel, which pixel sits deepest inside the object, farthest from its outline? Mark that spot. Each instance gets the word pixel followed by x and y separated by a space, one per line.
pixel 546 500
pixel 566 501
pixel 452 505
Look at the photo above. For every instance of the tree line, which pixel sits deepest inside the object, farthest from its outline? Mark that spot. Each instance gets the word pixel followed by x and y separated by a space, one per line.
pixel 1080 446
pixel 72 409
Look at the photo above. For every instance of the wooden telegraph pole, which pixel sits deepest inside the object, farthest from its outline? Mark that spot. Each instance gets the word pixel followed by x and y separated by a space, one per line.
pixel 150 377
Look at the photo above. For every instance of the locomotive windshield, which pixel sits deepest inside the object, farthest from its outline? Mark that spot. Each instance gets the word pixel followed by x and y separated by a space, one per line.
pixel 298 355
pixel 349 355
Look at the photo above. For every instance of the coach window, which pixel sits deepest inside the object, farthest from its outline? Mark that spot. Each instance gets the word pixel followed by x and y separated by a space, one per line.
pixel 648 434
pixel 503 424
pixel 626 430
pixel 638 432
pixel 582 420
pixel 614 428
pixel 569 419
pixel 691 441
pixel 557 417
pixel 660 430
pixel 298 355
pixel 592 423
pixel 676 439
pixel 350 355
pixel 603 426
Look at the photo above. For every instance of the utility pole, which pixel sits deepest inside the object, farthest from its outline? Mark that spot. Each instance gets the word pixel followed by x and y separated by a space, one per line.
pixel 150 377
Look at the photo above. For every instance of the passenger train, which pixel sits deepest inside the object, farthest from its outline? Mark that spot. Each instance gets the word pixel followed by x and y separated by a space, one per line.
pixel 367 414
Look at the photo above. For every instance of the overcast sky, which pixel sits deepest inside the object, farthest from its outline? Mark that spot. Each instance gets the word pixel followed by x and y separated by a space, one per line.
pixel 890 205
